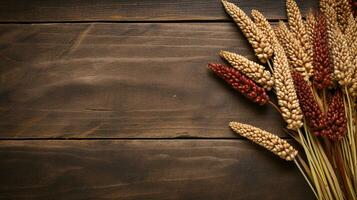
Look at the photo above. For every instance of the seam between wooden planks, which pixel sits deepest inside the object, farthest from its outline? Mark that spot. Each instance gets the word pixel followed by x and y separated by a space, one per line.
pixel 146 139
pixel 128 21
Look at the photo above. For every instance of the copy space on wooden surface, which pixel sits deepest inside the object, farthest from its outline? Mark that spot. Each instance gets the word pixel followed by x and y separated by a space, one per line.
pixel 113 100
pixel 150 169
pixel 122 81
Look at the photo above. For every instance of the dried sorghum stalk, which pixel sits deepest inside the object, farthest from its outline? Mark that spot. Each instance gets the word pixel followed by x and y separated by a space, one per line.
pixel 322 77
pixel 298 30
pixel 263 24
pixel 256 38
pixel 285 90
pixel 249 68
pixel 311 110
pixel 271 142
pixel 342 59
pixel 299 59
pixel 241 83
pixel 336 122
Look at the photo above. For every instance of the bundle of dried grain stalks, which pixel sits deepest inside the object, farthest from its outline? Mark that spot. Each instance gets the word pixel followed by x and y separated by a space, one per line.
pixel 312 70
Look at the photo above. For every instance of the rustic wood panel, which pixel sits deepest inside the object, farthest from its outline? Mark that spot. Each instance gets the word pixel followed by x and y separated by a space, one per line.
pixel 165 169
pixel 133 10
pixel 121 80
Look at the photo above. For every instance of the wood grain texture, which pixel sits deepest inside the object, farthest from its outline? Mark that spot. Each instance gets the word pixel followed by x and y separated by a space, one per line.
pixel 121 81
pixel 134 10
pixel 139 85
pixel 166 169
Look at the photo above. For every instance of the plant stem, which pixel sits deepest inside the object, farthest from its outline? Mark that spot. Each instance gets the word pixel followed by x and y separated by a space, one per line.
pixel 270 66
pixel 307 179
pixel 315 178
pixel 275 106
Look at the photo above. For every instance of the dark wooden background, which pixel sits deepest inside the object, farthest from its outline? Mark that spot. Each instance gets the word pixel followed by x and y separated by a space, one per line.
pixel 112 100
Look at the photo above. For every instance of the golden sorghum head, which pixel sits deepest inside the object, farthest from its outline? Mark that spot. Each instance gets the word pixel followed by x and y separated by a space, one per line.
pixel 298 30
pixel 341 58
pixel 343 11
pixel 331 20
pixel 249 68
pixel 327 3
pixel 353 87
pixel 256 38
pixel 298 58
pixel 285 90
pixel 263 24
pixel 351 30
pixel 351 36
pixel 273 143
pixel 310 25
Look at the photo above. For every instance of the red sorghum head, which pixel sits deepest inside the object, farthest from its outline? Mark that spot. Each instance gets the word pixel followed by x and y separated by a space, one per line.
pixel 336 119
pixel 322 76
pixel 241 83
pixel 310 109
pixel 353 4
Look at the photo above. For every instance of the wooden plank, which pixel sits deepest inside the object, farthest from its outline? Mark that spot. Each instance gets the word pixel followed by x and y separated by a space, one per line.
pixel 166 169
pixel 134 10
pixel 121 81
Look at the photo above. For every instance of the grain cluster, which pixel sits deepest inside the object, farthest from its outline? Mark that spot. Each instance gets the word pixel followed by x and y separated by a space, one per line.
pixel 271 142
pixel 251 69
pixel 299 60
pixel 285 90
pixel 241 83
pixel 254 35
